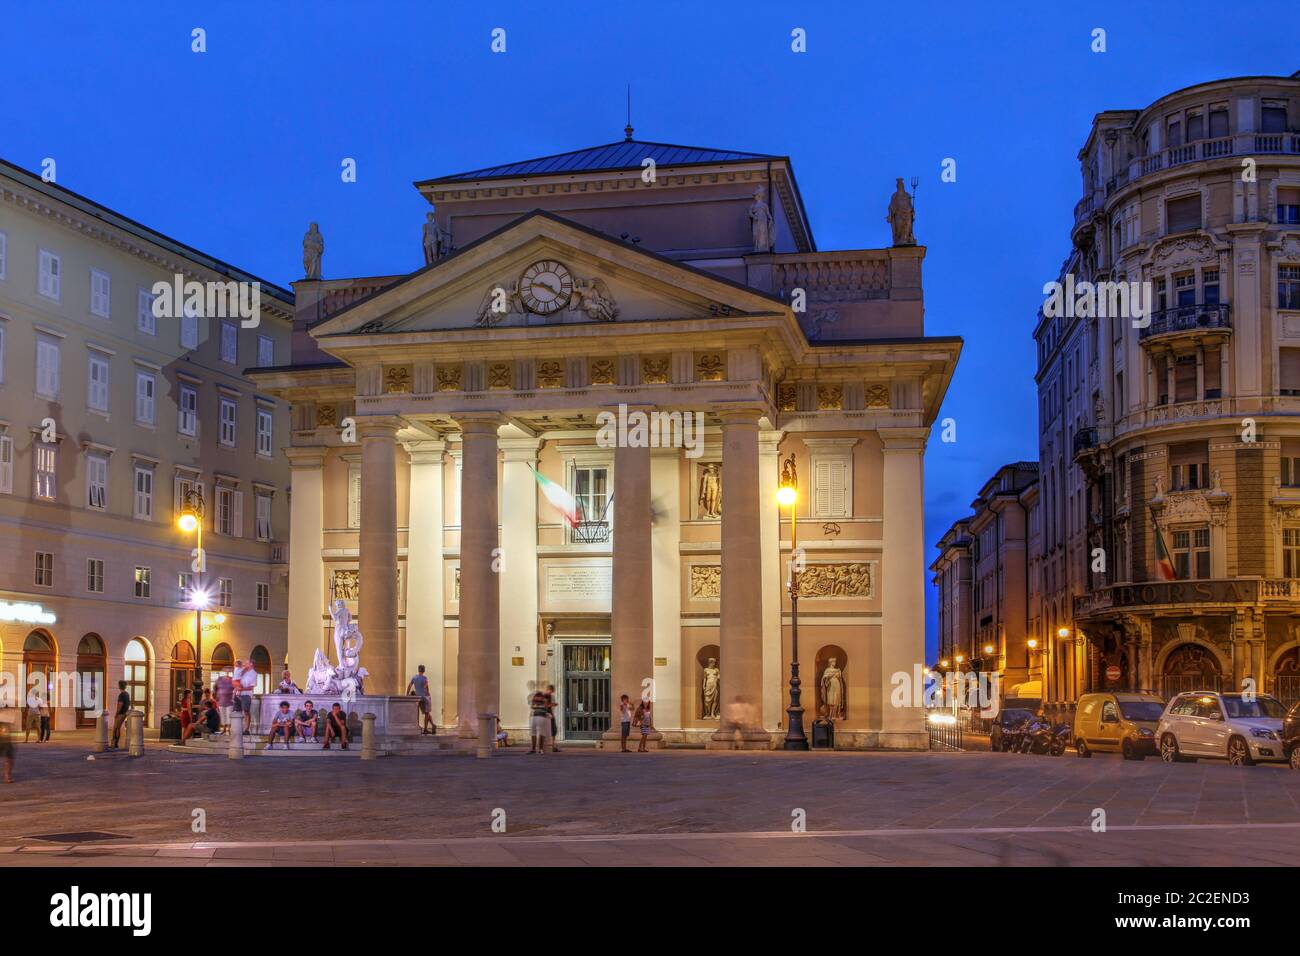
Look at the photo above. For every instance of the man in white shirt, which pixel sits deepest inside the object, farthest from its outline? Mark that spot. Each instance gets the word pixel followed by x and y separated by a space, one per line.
pixel 245 679
pixel 35 714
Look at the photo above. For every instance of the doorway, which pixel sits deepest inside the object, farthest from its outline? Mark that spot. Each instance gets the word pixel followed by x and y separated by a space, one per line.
pixel 586 690
pixel 92 668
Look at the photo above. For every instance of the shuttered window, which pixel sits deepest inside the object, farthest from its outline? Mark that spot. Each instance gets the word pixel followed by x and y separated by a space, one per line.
pixel 1289 367
pixel 1183 214
pixel 831 487
pixel 145 390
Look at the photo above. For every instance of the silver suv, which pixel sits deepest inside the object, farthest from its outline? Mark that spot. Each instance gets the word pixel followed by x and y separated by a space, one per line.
pixel 1243 729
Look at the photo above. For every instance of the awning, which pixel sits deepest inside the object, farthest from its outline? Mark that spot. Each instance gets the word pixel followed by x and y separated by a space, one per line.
pixel 1029 690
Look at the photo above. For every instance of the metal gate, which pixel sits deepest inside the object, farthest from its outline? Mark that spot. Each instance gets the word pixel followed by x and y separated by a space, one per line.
pixel 1288 688
pixel 1173 684
pixel 586 691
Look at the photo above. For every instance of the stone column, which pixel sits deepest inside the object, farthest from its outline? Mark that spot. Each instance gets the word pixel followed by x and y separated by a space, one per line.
pixel 307 580
pixel 1131 647
pixel 632 610
pixel 741 625
pixel 517 576
pixel 902 580
pixel 377 603
pixel 1145 658
pixel 425 606
pixel 478 663
pixel 769 476
pixel 666 587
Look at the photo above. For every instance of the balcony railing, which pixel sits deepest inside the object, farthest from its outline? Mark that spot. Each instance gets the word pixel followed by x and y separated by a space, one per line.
pixel 1084 439
pixel 1243 144
pixel 833 276
pixel 1188 318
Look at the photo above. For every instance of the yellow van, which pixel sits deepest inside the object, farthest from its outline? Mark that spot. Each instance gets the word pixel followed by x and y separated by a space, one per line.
pixel 1118 721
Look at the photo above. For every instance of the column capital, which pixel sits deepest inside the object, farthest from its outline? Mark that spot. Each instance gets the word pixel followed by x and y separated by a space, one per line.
pixel 378 426
pixel 425 451
pixel 903 439
pixel 741 414
pixel 305 457
pixel 769 442
pixel 479 423
pixel 518 448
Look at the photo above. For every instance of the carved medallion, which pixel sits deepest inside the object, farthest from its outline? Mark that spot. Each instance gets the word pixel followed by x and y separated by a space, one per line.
pixel 830 397
pixel 326 416
pixel 550 375
pixel 877 396
pixel 786 397
pixel 498 375
pixel 654 371
pixel 601 371
pixel 397 378
pixel 709 367
pixel 449 378
pixel 706 581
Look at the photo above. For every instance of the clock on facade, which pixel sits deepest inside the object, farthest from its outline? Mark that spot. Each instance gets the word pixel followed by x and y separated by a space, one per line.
pixel 545 287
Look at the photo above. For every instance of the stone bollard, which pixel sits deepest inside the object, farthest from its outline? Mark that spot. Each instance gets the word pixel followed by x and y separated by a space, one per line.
pixel 135 733
pixel 101 732
pixel 367 736
pixel 236 751
pixel 487 735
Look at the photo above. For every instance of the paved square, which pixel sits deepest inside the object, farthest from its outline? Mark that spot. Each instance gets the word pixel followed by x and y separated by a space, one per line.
pixel 675 808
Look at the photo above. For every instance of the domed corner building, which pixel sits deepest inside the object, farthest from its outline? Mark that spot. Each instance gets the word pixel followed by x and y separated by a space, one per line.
pixel 1170 445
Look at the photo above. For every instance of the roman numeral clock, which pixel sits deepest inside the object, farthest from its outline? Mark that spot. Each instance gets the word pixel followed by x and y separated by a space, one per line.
pixel 545 287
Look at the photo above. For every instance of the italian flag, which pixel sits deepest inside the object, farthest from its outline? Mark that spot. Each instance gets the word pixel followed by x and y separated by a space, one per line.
pixel 1164 567
pixel 557 496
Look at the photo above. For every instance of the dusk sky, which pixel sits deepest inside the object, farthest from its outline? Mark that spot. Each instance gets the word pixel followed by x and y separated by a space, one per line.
pixel 235 150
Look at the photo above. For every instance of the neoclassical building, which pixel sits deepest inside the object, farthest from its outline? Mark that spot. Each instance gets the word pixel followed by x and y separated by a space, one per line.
pixel 1182 430
pixel 109 416
pixel 440 415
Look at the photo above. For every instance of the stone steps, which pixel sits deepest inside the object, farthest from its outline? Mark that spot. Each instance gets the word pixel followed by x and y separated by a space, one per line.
pixel 257 746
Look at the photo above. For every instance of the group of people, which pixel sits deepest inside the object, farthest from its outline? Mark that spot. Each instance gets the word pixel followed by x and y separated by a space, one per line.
pixel 285 723
pixel 38 718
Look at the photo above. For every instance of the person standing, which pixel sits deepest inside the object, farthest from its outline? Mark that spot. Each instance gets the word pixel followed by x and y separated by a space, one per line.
pixel 624 722
pixel 119 718
pixel 225 694
pixel 419 686
pixel 245 679
pixel 7 752
pixel 550 707
pixel 645 720
pixel 539 721
pixel 35 721
pixel 187 715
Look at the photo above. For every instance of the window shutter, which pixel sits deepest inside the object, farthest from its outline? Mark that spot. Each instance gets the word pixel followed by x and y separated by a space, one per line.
pixel 821 487
pixel 838 480
pixel 6 464
pixel 237 522
pixel 1290 368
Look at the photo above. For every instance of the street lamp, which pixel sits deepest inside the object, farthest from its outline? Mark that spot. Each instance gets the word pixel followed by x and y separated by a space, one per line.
pixel 787 495
pixel 190 521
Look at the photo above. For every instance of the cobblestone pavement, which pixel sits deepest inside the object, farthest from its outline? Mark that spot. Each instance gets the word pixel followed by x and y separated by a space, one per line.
pixel 676 807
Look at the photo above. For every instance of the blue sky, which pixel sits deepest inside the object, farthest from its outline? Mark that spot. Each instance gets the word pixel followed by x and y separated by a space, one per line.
pixel 236 149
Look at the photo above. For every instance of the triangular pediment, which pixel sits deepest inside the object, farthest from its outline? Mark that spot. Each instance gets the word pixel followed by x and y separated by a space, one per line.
pixel 542 270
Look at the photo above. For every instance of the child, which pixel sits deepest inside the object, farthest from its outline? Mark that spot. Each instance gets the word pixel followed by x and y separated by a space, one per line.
pixel 625 722
pixel 503 738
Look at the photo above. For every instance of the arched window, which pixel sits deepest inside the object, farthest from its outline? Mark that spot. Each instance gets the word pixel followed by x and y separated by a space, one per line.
pixel 136 674
pixel 223 660
pixel 91 677
pixel 261 661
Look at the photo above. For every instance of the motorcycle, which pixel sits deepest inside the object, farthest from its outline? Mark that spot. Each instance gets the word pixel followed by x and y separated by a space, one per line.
pixel 1040 736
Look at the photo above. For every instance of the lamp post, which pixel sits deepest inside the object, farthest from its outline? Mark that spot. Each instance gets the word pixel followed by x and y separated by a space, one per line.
pixel 787 494
pixel 191 520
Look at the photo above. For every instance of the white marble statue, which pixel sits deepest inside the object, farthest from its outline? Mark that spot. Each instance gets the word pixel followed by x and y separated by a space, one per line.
pixel 320 675
pixel 436 244
pixel 348 678
pixel 832 685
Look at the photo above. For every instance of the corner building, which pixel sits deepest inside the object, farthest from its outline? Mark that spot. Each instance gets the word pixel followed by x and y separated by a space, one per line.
pixel 619 293
pixel 1146 429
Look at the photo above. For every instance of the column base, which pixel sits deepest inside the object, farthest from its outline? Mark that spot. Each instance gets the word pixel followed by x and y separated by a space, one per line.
pixel 609 740
pixel 736 739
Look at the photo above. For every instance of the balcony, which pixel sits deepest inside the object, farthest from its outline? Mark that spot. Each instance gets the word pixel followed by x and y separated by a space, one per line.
pixel 1085 439
pixel 1147 595
pixel 1242 144
pixel 1185 319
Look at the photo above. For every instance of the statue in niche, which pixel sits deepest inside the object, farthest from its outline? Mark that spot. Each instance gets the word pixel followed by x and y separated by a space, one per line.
pixel 711 685
pixel 901 216
pixel 313 249
pixel 832 688
pixel 435 241
pixel 710 499
pixel 761 222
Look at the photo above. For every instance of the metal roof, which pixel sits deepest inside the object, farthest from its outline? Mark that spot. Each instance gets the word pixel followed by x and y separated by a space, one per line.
pixel 625 154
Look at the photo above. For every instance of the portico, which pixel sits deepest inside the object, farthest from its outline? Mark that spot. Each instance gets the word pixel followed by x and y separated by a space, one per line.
pixel 493 527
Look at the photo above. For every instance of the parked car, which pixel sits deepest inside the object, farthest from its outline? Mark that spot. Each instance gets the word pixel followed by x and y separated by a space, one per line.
pixel 1110 722
pixel 1242 728
pixel 1004 734
pixel 1291 736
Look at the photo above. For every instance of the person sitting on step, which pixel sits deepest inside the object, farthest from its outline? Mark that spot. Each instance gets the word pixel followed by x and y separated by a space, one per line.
pixel 281 725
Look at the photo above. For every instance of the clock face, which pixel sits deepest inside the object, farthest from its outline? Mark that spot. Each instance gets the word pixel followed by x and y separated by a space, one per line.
pixel 545 287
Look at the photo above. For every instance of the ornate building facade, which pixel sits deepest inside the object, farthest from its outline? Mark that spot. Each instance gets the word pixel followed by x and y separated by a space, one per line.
pixel 457 480
pixel 1177 434
pixel 109 415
